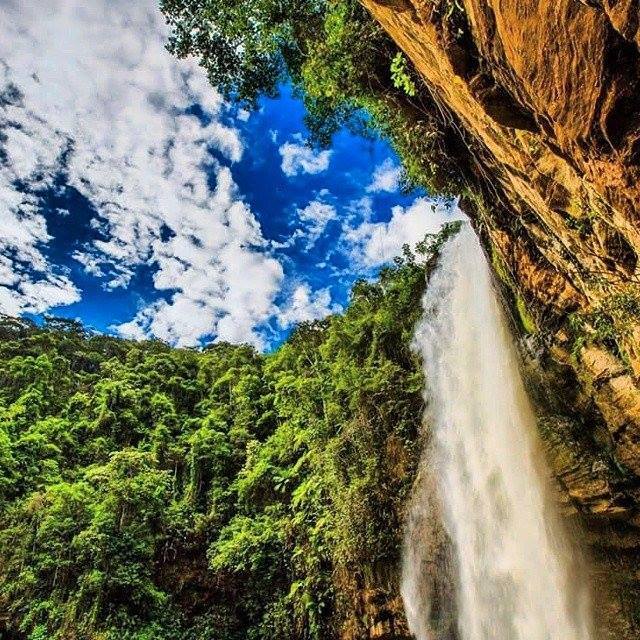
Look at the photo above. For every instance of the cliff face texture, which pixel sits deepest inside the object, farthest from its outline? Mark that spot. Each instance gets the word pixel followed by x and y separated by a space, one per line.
pixel 546 97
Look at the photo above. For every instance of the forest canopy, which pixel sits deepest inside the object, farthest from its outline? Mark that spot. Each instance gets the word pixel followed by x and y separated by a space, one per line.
pixel 149 492
pixel 338 59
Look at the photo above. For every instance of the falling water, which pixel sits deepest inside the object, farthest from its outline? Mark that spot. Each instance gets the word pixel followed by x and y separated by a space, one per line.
pixel 514 573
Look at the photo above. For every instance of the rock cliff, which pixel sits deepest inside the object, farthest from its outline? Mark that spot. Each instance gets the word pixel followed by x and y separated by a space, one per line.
pixel 545 96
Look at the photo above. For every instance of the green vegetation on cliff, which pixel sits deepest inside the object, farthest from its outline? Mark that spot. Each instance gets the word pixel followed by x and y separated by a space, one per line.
pixel 347 70
pixel 156 493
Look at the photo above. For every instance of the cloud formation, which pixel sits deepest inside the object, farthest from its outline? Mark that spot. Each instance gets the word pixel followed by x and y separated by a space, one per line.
pixel 374 243
pixel 306 305
pixel 28 283
pixel 386 177
pixel 91 103
pixel 298 157
pixel 104 108
pixel 315 217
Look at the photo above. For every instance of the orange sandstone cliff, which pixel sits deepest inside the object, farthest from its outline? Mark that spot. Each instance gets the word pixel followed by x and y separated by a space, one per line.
pixel 545 96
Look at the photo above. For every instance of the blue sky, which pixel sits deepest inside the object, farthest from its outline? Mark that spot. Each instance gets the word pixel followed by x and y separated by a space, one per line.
pixel 134 198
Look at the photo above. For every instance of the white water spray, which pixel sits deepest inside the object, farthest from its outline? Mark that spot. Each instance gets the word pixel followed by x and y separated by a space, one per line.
pixel 514 571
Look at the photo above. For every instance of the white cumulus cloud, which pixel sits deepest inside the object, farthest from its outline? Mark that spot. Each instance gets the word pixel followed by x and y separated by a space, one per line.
pixel 306 305
pixel 88 92
pixel 386 177
pixel 374 243
pixel 298 157
pixel 315 217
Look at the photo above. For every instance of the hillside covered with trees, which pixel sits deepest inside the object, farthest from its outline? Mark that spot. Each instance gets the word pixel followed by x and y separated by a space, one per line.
pixel 157 493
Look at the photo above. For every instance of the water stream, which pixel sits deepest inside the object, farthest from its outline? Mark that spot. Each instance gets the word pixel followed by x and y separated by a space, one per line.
pixel 513 569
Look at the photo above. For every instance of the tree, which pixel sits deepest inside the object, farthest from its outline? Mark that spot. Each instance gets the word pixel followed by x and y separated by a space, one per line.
pixel 347 70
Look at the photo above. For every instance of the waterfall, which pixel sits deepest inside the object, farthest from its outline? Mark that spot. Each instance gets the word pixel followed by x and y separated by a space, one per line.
pixel 514 573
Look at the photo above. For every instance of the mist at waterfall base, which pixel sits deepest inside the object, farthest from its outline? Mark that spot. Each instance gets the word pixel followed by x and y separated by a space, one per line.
pixel 514 574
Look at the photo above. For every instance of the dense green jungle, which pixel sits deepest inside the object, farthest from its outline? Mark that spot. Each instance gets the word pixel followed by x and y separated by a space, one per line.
pixel 150 492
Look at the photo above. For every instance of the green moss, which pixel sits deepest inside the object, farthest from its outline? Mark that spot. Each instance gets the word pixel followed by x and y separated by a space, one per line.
pixel 609 324
pixel 526 319
pixel 500 269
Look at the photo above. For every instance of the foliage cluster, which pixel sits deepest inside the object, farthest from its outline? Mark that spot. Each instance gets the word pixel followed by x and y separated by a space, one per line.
pixel 611 323
pixel 180 494
pixel 340 61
